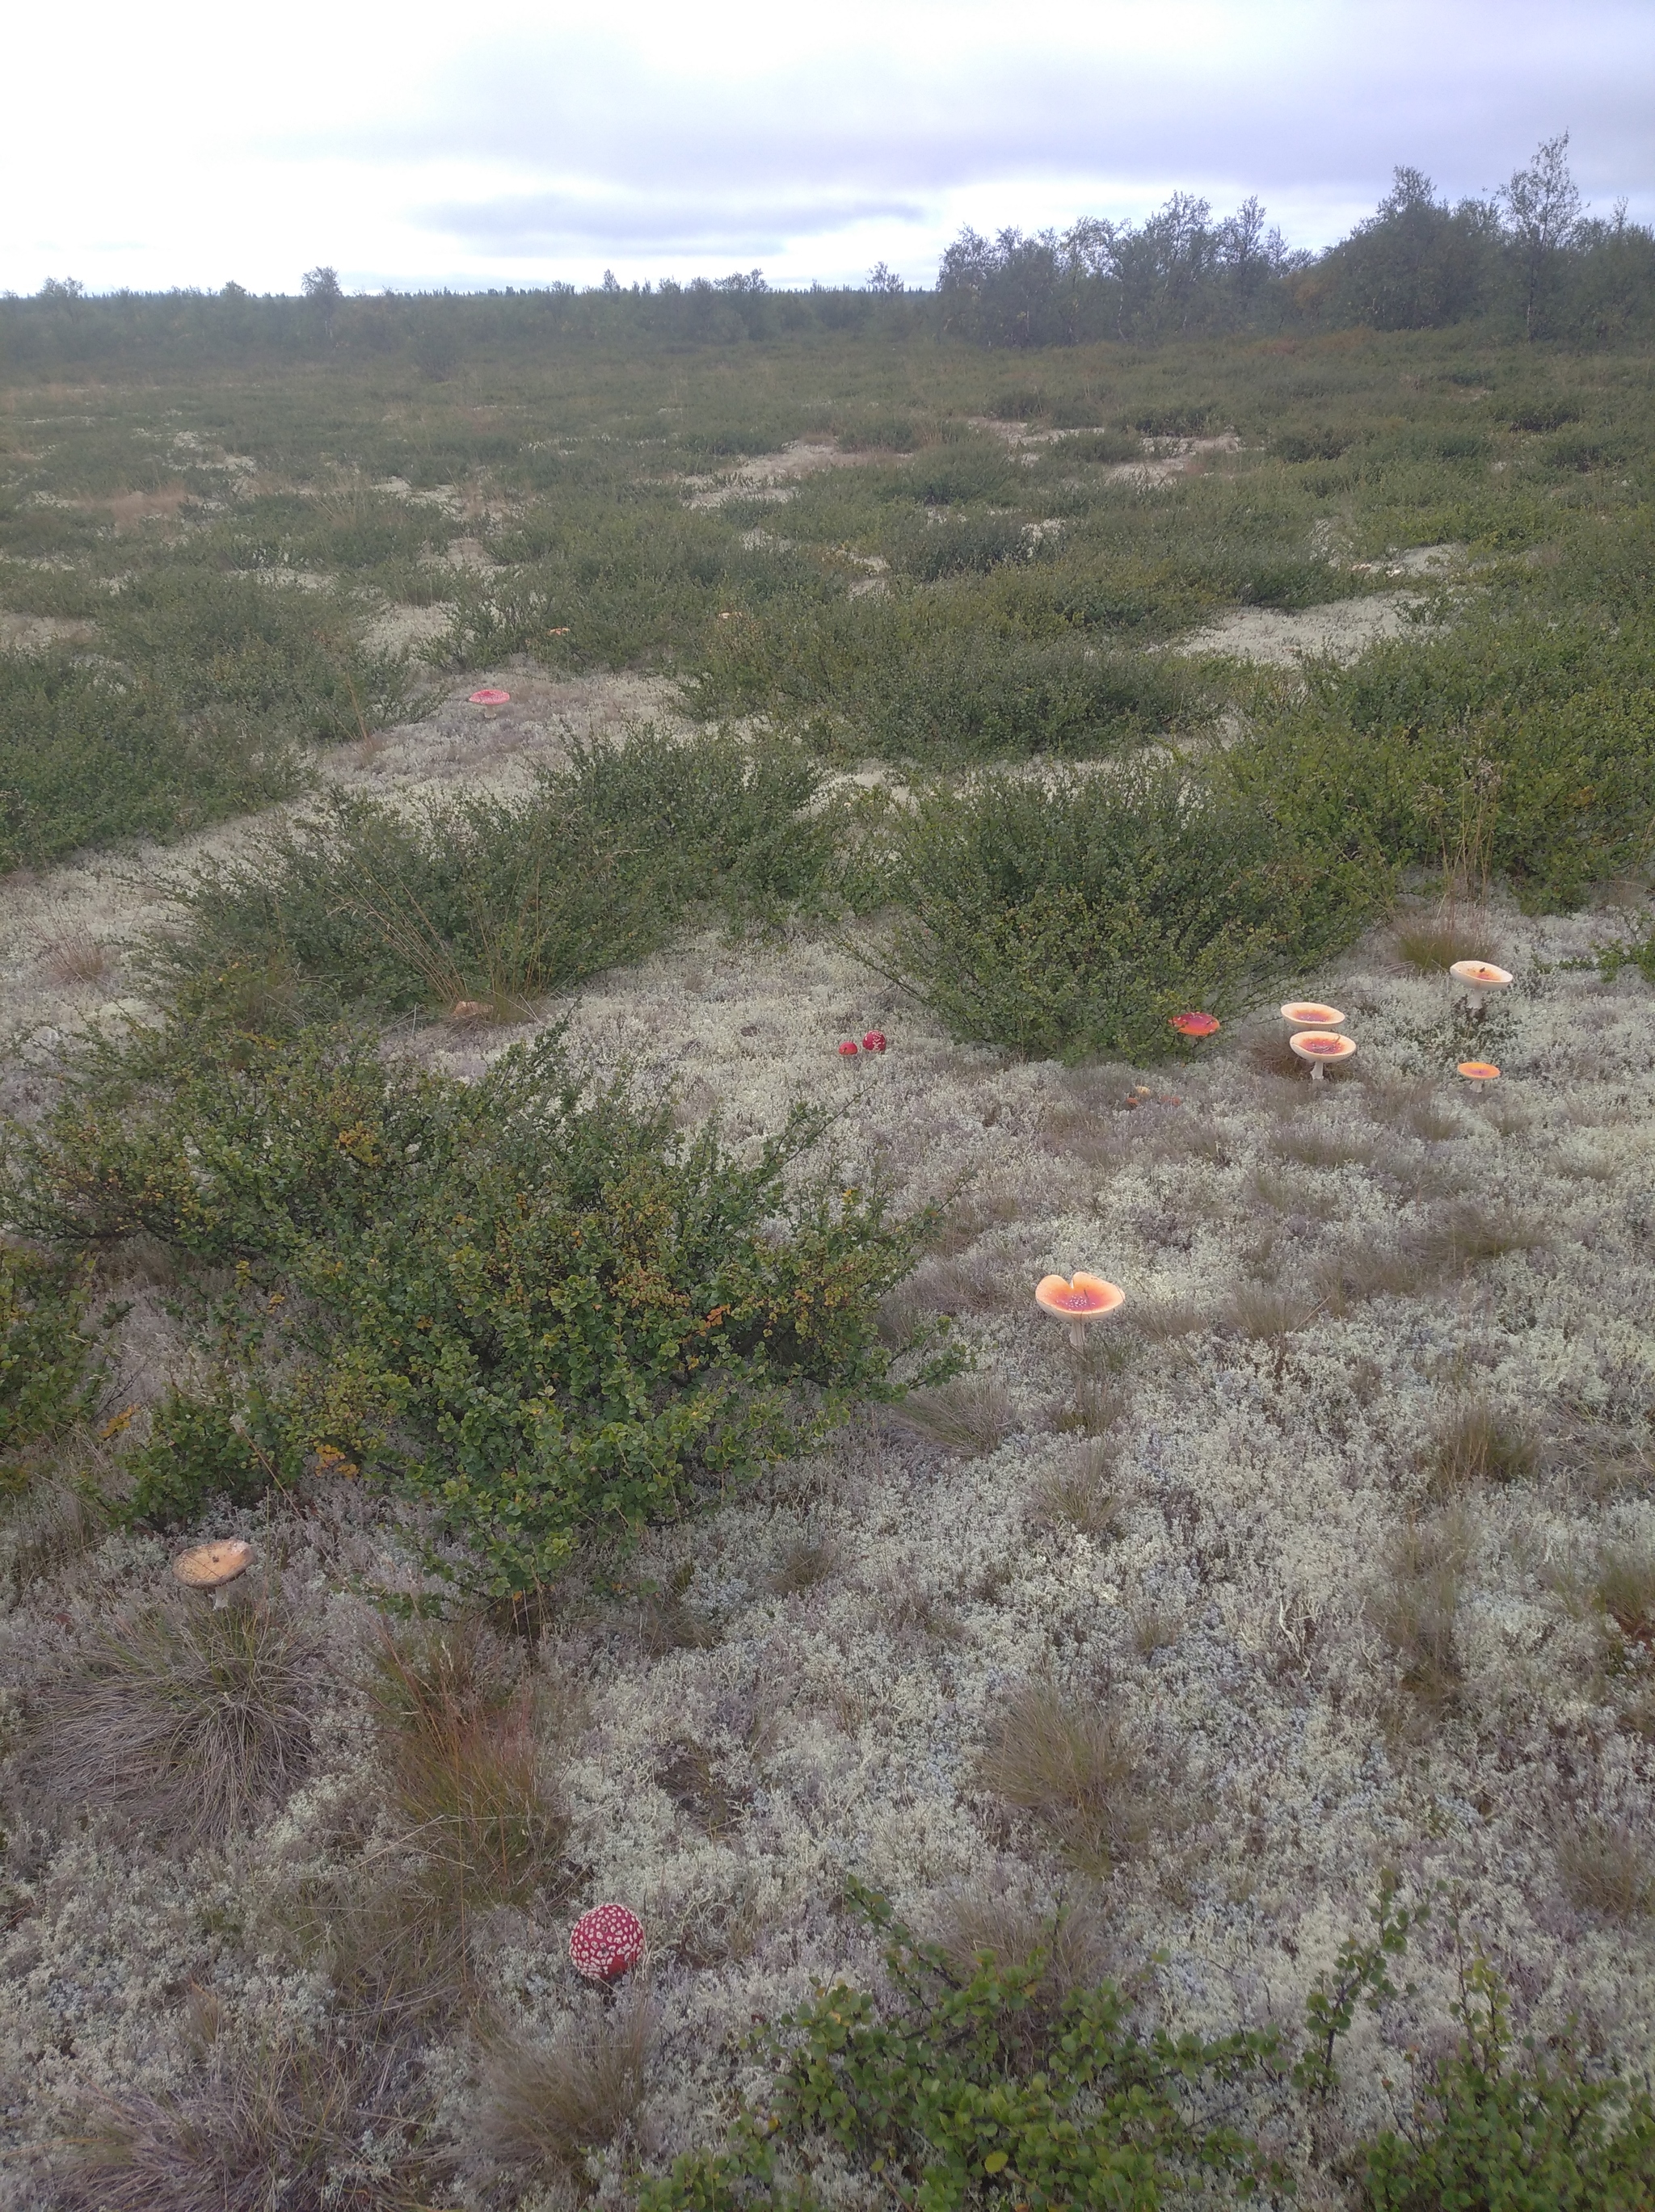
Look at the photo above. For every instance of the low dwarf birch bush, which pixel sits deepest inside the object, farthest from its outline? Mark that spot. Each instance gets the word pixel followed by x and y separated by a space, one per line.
pixel 528 1301
pixel 1072 916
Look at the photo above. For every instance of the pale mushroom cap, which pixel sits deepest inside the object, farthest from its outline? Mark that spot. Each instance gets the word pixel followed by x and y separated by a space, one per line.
pixel 1482 973
pixel 1312 1014
pixel 1082 1300
pixel 1477 1071
pixel 209 1564
pixel 1321 1044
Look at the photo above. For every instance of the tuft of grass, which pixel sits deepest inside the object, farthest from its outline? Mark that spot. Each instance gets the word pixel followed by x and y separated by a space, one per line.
pixel 1480 1443
pixel 308 2126
pixel 803 1563
pixel 187 1720
pixel 1625 1589
pixel 1431 947
pixel 1263 1315
pixel 1606 1867
pixel 1465 1236
pixel 1415 1607
pixel 456 1728
pixel 1078 1493
pixel 79 958
pixel 971 1415
pixel 1347 1278
pixel 544 2106
pixel 1078 1772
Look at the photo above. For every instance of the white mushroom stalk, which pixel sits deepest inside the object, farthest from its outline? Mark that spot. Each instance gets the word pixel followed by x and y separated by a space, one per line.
pixel 1481 979
pixel 1319 1047
pixel 1085 1299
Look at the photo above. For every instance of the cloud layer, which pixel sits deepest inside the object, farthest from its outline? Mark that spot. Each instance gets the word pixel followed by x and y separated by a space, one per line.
pixel 525 144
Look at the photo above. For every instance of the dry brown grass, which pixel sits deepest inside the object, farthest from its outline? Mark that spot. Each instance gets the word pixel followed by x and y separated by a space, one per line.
pixel 1163 1319
pixel 307 2127
pixel 1605 1867
pixel 1347 1280
pixel 803 1563
pixel 668 1622
pixel 1310 1146
pixel 187 1719
pixel 1078 1492
pixel 692 1776
pixel 1414 1606
pixel 457 1730
pixel 546 2104
pixel 1265 1314
pixel 1431 944
pixel 971 1415
pixel 1464 1236
pixel 1625 1589
pixel 78 959
pixel 1077 1772
pixel 1480 1443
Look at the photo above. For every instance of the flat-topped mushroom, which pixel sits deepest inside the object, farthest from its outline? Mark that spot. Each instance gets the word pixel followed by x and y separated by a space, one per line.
pixel 1196 1024
pixel 1318 1047
pixel 489 695
pixel 210 1566
pixel 1312 1014
pixel 1480 977
pixel 1478 1073
pixel 1079 1302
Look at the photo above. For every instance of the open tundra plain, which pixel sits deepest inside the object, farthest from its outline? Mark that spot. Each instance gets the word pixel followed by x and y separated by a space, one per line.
pixel 436 1159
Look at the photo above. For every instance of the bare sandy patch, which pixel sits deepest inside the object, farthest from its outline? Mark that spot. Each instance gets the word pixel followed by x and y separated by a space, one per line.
pixel 40 633
pixel 772 476
pixel 1168 458
pixel 400 628
pixel 1275 638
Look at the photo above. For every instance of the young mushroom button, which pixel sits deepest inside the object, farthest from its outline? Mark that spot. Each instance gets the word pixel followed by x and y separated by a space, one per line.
pixel 1080 1302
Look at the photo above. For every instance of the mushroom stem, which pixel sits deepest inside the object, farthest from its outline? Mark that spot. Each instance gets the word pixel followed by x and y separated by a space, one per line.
pixel 1078 1335
pixel 1316 1071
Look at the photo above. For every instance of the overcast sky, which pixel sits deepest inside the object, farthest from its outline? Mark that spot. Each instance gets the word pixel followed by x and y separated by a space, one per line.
pixel 154 142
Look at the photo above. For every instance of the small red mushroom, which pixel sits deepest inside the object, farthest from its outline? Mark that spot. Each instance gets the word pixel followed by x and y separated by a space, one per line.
pixel 874 1041
pixel 489 696
pixel 606 1942
pixel 1196 1024
pixel 848 1049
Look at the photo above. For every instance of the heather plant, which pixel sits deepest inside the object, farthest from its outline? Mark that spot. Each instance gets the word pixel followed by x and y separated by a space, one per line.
pixel 1076 915
pixel 495 900
pixel 536 1309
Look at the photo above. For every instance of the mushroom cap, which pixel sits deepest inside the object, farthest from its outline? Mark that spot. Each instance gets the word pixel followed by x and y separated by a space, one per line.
pixel 1312 1014
pixel 207 1565
pixel 1083 1299
pixel 489 696
pixel 850 1049
pixel 1477 1071
pixel 468 1010
pixel 1196 1024
pixel 604 1943
pixel 1482 973
pixel 874 1041
pixel 1321 1044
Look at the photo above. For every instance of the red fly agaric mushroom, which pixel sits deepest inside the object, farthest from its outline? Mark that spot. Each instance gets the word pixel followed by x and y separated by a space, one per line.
pixel 1310 1014
pixel 1196 1024
pixel 1078 1302
pixel 489 696
pixel 1318 1047
pixel 1480 977
pixel 210 1566
pixel 1478 1071
pixel 606 1942
pixel 850 1049
pixel 874 1041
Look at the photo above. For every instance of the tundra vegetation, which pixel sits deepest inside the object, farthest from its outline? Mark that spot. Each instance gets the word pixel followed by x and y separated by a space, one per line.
pixel 1208 1762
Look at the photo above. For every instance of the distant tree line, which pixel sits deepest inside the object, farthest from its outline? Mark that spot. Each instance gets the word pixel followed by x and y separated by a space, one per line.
pixel 1527 260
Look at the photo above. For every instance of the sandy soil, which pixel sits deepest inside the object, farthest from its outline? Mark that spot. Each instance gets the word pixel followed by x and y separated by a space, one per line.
pixel 771 475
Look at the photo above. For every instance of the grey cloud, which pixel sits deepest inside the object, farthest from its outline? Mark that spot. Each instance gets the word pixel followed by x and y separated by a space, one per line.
pixel 539 223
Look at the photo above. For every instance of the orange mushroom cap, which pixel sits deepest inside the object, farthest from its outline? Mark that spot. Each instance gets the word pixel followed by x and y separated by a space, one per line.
pixel 209 1564
pixel 1312 1014
pixel 1321 1044
pixel 1196 1024
pixel 1078 1300
pixel 1477 1071
pixel 1483 973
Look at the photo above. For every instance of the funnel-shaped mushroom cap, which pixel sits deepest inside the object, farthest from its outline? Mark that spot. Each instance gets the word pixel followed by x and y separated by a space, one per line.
pixel 1312 1014
pixel 1478 1070
pixel 1196 1024
pixel 209 1566
pixel 1083 1299
pixel 489 696
pixel 1481 975
pixel 605 1941
pixel 1318 1045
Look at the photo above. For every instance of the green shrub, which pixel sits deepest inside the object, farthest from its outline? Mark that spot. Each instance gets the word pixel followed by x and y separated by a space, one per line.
pixel 984 2088
pixel 528 1301
pixel 1074 916
pixel 1498 2131
pixel 479 897
pixel 1510 747
pixel 202 1449
pixel 47 1374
